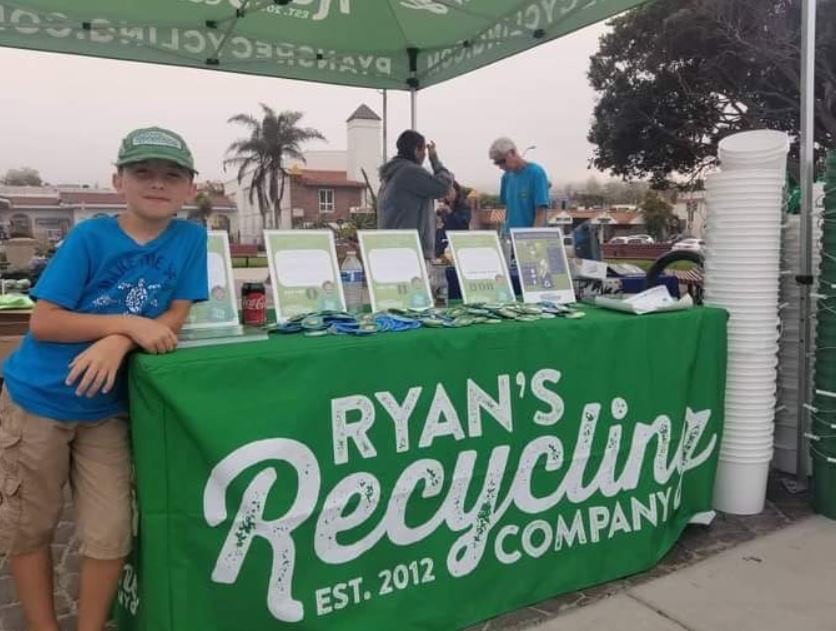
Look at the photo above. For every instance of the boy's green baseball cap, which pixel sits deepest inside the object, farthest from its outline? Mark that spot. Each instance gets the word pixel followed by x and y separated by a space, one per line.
pixel 155 143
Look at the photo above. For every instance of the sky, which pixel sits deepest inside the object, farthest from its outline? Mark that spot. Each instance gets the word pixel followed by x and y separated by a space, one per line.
pixel 65 115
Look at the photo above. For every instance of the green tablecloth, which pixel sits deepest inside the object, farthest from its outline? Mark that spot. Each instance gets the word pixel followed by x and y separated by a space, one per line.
pixel 420 480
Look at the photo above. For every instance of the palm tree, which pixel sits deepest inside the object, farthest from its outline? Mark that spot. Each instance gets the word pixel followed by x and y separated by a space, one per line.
pixel 262 156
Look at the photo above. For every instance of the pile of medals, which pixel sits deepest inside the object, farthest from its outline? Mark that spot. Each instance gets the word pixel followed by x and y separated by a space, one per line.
pixel 395 320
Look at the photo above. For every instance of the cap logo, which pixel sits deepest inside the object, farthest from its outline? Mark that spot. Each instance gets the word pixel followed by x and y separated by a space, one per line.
pixel 158 138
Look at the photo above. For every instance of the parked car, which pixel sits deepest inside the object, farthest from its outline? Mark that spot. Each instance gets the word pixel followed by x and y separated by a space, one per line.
pixel 690 244
pixel 632 239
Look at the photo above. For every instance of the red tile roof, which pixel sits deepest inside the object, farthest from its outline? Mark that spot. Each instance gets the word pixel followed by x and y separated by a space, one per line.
pixel 626 217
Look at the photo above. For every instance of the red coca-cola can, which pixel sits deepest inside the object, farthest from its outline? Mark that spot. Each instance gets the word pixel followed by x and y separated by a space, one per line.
pixel 254 304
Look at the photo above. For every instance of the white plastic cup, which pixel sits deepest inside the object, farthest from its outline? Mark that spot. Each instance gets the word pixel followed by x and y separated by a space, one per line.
pixel 732 450
pixel 751 381
pixel 750 296
pixel 730 204
pixel 745 424
pixel 739 276
pixel 754 424
pixel 749 178
pixel 776 162
pixel 744 208
pixel 745 235
pixel 750 289
pixel 763 389
pixel 731 221
pixel 758 366
pixel 744 332
pixel 742 260
pixel 754 141
pixel 740 488
pixel 733 447
pixel 752 414
pixel 759 309
pixel 753 179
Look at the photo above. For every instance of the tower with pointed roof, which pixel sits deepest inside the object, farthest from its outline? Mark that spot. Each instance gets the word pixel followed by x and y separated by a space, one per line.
pixel 364 146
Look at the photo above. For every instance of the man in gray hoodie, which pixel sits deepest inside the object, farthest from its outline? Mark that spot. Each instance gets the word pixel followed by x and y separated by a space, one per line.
pixel 407 190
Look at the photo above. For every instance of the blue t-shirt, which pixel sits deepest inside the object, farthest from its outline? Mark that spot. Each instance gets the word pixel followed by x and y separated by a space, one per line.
pixel 99 269
pixel 523 192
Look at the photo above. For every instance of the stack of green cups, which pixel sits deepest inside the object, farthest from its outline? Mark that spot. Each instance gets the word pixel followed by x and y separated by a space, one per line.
pixel 823 423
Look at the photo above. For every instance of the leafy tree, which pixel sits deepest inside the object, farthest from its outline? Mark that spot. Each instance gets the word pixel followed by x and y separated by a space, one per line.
pixel 488 200
pixel 262 156
pixel 676 76
pixel 24 176
pixel 203 203
pixel 659 219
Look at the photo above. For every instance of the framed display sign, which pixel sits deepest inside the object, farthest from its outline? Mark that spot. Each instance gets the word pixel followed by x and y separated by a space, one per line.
pixel 221 308
pixel 304 273
pixel 542 264
pixel 395 270
pixel 480 267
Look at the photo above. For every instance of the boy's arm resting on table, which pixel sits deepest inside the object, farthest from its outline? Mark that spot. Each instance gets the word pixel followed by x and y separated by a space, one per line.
pixel 52 323
pixel 96 367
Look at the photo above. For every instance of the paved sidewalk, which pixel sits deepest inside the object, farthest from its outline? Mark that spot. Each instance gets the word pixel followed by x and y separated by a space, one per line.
pixel 782 581
pixel 697 544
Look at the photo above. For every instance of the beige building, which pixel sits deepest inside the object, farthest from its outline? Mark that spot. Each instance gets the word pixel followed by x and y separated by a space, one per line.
pixel 47 213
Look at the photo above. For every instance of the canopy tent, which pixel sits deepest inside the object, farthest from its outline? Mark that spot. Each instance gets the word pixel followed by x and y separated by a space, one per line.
pixel 389 44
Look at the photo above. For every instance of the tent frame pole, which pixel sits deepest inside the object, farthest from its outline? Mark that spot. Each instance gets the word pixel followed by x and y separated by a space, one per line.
pixel 413 109
pixel 385 125
pixel 805 278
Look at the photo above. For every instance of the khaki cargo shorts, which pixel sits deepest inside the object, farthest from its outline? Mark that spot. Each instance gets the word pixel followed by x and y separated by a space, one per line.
pixel 38 456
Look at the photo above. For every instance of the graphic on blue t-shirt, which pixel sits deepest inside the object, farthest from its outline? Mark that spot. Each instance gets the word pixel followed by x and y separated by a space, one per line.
pixel 99 269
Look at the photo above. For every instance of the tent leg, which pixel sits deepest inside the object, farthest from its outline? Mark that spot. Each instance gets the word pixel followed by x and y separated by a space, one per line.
pixel 385 125
pixel 807 159
pixel 413 108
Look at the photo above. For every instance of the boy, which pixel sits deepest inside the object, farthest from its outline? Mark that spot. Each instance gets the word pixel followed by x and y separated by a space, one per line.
pixel 115 284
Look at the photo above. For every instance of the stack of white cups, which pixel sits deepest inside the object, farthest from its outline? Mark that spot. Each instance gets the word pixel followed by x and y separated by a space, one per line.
pixel 786 414
pixel 743 244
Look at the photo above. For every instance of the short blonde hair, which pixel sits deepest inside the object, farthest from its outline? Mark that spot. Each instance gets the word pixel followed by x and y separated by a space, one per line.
pixel 501 147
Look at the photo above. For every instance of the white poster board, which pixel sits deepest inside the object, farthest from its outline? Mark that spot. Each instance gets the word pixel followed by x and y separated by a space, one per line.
pixel 221 309
pixel 480 267
pixel 304 273
pixel 395 270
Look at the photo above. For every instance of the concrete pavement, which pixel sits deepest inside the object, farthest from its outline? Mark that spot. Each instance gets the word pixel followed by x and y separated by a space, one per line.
pixel 785 581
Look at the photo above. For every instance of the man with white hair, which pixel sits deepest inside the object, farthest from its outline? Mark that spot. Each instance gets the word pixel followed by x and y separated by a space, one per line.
pixel 524 189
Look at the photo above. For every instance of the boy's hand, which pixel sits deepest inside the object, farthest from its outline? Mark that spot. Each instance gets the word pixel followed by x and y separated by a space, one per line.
pixel 431 149
pixel 151 335
pixel 98 365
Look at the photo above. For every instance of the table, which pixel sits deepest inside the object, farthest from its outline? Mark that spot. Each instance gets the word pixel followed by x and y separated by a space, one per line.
pixel 422 480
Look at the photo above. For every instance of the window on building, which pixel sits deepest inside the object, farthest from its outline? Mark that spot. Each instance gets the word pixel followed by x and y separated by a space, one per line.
pixel 20 225
pixel 326 200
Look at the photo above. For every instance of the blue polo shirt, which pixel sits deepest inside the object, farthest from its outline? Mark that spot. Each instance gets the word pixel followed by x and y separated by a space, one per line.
pixel 100 269
pixel 523 192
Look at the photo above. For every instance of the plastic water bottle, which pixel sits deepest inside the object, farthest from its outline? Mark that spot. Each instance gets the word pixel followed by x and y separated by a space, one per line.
pixel 439 285
pixel 353 277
